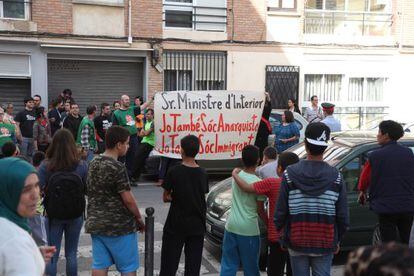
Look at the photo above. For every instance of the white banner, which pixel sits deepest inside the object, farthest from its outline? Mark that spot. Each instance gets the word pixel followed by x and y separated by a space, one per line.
pixel 224 121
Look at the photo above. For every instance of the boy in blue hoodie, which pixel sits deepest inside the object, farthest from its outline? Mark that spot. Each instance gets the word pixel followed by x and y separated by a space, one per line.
pixel 312 207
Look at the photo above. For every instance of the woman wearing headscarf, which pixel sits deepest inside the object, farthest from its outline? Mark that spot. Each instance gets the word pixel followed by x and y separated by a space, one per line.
pixel 19 193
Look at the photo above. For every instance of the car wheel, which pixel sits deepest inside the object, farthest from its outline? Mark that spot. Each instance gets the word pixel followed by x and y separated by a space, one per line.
pixel 376 236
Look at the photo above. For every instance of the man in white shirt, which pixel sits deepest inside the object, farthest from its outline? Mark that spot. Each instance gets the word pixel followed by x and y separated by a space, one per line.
pixel 313 114
pixel 330 121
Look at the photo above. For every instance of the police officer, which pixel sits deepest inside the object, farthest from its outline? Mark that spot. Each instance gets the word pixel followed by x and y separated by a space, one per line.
pixel 330 121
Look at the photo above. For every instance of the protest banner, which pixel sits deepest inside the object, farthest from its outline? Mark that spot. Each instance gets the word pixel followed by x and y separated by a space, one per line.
pixel 224 121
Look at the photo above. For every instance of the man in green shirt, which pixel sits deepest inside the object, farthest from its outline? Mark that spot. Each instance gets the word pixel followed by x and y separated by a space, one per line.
pixel 125 117
pixel 86 133
pixel 241 242
pixel 146 145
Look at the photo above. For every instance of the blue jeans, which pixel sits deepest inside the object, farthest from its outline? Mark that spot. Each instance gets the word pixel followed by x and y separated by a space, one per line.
pixel 27 147
pixel 321 266
pixel 71 228
pixel 236 249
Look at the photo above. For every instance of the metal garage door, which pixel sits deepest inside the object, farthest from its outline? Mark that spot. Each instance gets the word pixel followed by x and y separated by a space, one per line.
pixel 94 82
pixel 14 91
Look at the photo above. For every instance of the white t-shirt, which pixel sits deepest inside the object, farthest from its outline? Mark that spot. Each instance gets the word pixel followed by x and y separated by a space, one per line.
pixel 19 254
pixel 268 170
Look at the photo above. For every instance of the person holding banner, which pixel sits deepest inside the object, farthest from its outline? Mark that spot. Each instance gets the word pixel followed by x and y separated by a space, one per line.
pixel 146 145
pixel 287 133
pixel 265 129
pixel 125 116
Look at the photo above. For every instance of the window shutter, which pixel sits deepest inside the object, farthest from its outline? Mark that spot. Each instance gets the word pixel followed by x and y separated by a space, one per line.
pixel 210 15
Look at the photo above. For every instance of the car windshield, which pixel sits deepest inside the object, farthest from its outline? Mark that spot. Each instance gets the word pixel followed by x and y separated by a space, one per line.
pixel 333 154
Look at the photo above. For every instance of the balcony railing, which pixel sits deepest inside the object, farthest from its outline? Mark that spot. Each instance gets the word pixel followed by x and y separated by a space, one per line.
pixel 347 23
pixel 15 9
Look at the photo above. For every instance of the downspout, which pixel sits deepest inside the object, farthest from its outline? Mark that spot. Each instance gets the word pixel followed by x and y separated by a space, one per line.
pixel 129 23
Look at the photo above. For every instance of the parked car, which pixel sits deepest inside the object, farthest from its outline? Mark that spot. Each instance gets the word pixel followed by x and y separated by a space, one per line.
pixel 227 165
pixel 348 152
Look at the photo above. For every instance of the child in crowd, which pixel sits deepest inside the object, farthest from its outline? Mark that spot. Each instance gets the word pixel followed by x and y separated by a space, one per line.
pixel 113 217
pixel 269 164
pixel 312 208
pixel 270 188
pixel 38 222
pixel 242 235
pixel 185 187
pixel 9 149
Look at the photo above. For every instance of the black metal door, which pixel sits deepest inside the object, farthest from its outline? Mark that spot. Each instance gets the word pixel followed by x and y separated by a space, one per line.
pixel 282 83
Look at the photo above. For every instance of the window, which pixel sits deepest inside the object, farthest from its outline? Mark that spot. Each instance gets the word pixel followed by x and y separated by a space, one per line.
pixel 327 87
pixel 366 89
pixel 194 71
pixel 350 173
pixel 282 4
pixel 200 15
pixel 15 9
pixel 181 19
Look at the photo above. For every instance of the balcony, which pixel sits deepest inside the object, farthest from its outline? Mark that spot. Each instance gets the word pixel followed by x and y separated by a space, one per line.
pixel 342 23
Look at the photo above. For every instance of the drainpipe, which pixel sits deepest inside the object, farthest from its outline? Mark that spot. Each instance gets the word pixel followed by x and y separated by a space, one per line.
pixel 129 23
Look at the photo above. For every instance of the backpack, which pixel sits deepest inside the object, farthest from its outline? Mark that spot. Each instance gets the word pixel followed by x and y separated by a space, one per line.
pixel 64 195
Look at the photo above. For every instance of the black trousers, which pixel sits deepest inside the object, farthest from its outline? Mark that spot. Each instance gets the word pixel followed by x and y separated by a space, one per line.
pixel 172 246
pixel 277 260
pixel 141 155
pixel 393 226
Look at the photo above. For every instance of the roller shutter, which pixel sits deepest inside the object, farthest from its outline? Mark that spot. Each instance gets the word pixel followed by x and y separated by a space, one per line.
pixel 14 91
pixel 94 82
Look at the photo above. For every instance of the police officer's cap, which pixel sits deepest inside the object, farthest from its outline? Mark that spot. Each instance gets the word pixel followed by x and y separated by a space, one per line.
pixel 327 105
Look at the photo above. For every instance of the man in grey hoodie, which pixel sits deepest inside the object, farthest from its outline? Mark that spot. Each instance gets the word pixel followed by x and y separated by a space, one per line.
pixel 312 207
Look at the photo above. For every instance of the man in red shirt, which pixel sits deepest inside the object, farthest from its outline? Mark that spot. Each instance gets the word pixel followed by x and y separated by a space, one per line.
pixel 270 187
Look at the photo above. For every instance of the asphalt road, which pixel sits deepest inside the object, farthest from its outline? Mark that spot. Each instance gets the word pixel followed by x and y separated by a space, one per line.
pixel 149 195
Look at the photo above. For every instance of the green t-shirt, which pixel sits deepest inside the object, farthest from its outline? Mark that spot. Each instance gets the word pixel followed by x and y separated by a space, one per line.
pixel 126 118
pixel 243 218
pixel 6 133
pixel 149 139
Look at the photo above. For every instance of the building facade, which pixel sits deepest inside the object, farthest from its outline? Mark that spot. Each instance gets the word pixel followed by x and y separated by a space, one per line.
pixel 358 54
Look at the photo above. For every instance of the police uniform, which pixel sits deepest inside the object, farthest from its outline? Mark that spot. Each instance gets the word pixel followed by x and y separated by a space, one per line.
pixel 330 121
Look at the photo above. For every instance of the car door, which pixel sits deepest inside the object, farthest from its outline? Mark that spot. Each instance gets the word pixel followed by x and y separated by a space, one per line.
pixel 362 219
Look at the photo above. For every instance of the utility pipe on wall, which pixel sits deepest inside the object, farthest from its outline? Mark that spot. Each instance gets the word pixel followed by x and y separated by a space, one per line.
pixel 129 23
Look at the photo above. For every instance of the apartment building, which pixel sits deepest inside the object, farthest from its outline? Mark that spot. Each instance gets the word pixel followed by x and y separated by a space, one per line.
pixel 356 53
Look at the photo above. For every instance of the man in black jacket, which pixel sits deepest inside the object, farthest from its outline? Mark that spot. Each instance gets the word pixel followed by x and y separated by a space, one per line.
pixel 388 178
pixel 73 120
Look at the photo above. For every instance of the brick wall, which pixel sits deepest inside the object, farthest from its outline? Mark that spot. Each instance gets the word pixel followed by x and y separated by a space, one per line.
pixel 53 16
pixel 147 18
pixel 249 20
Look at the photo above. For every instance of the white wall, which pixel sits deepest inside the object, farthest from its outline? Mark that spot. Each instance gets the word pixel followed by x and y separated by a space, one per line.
pixel 246 71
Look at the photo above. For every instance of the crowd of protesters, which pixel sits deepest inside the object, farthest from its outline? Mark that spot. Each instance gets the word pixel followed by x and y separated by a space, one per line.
pixel 307 214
